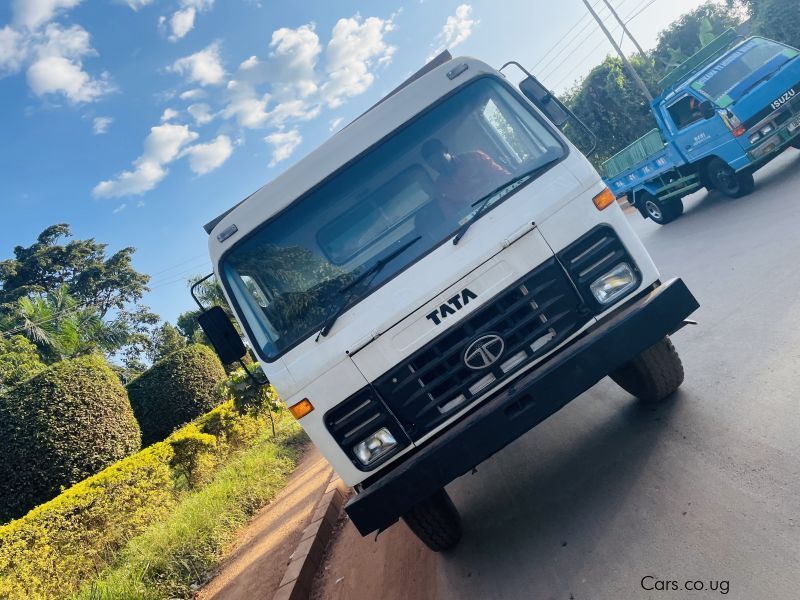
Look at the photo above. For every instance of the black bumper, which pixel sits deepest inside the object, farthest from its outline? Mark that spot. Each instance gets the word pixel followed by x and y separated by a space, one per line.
pixel 522 405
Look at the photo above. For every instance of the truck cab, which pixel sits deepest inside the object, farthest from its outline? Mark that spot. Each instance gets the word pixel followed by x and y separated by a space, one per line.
pixel 725 113
pixel 436 279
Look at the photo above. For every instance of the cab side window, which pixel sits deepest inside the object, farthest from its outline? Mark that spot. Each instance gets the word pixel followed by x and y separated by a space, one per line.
pixel 685 111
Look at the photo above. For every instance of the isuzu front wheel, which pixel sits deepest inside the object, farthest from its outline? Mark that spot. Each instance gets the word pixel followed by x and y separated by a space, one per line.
pixel 653 375
pixel 436 522
pixel 723 178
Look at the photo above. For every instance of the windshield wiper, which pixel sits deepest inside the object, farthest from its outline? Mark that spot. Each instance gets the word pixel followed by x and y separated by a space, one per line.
pixel 484 201
pixel 368 275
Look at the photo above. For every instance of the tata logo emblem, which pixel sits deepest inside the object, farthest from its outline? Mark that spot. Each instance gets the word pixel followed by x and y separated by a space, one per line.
pixel 450 307
pixel 484 352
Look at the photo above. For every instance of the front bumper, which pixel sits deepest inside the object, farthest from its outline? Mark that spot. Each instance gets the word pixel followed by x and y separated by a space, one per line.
pixel 525 403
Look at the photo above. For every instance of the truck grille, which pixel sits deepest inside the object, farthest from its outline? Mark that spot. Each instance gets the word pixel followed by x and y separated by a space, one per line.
pixel 531 317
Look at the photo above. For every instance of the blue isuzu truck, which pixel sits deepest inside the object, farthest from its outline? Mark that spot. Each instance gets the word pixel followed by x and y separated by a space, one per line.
pixel 723 114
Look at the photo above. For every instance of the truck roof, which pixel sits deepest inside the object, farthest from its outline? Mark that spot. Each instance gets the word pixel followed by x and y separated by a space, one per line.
pixel 436 61
pixel 680 77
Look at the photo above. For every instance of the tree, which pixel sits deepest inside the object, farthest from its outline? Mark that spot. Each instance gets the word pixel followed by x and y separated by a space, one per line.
pixel 19 360
pixel 71 299
pixel 166 340
pixel 775 19
pixel 690 32
pixel 92 277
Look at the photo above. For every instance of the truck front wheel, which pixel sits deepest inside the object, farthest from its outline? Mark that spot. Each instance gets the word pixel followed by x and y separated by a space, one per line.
pixel 436 522
pixel 661 211
pixel 653 375
pixel 722 177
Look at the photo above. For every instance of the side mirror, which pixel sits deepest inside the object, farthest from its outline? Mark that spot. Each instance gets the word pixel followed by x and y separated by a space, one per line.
pixel 541 97
pixel 222 334
pixel 707 110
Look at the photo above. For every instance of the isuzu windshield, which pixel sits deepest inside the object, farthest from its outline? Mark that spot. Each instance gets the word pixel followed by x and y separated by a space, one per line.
pixel 743 68
pixel 426 181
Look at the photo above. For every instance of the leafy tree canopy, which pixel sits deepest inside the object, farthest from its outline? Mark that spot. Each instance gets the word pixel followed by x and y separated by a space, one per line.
pixel 91 276
pixel 19 360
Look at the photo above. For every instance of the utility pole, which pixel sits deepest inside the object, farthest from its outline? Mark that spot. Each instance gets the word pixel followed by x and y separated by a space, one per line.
pixel 629 66
pixel 624 27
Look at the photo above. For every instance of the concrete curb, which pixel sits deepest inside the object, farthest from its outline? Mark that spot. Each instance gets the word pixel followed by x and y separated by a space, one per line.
pixel 307 557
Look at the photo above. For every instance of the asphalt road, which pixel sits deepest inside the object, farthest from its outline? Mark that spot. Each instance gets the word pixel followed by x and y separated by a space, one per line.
pixel 607 492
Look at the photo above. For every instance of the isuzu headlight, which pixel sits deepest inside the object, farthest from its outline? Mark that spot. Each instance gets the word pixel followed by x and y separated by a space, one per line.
pixel 374 446
pixel 613 284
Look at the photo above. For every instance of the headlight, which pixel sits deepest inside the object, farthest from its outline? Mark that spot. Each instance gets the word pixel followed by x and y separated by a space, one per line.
pixel 755 137
pixel 374 446
pixel 617 282
pixel 766 130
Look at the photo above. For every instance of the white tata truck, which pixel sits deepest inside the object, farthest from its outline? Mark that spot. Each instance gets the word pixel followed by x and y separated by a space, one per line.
pixel 435 280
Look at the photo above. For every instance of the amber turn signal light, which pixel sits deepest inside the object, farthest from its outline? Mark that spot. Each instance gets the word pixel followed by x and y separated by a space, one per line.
pixel 604 199
pixel 301 409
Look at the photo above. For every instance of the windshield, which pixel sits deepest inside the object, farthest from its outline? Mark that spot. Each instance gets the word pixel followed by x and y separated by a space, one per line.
pixel 422 182
pixel 740 70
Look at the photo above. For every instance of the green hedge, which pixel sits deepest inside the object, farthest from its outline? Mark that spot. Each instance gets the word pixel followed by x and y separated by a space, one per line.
pixel 176 390
pixel 62 544
pixel 59 427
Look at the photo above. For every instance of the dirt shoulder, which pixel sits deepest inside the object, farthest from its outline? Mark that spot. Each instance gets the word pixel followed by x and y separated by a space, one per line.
pixel 395 567
pixel 256 563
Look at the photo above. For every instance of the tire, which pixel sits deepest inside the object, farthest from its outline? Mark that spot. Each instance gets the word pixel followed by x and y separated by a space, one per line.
pixel 661 211
pixel 653 375
pixel 436 522
pixel 722 177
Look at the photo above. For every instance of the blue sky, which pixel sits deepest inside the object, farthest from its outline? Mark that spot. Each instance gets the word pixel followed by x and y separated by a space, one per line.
pixel 136 121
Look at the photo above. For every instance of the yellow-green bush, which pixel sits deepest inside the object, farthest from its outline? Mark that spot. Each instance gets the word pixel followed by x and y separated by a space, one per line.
pixel 59 545
pixel 59 427
pixel 175 390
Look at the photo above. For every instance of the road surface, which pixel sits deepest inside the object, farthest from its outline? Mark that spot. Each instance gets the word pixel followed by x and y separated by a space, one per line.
pixel 607 498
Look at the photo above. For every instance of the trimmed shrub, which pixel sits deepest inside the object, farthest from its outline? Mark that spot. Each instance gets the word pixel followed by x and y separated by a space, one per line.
pixel 59 427
pixel 176 390
pixel 62 544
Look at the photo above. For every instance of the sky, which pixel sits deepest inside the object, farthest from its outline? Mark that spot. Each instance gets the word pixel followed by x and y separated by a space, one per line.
pixel 136 121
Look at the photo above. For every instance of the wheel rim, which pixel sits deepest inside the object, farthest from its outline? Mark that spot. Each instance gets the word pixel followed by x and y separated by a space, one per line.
pixel 653 210
pixel 726 179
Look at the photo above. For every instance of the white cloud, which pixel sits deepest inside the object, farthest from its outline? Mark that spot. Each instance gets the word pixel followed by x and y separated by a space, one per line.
pixel 169 114
pixel 182 22
pixel 13 51
pixel 161 147
pixel 100 125
pixel 193 94
pixel 355 46
pixel 120 208
pixel 294 59
pixel 456 29
pixel 33 13
pixel 334 124
pixel 204 158
pixel 204 67
pixel 245 106
pixel 283 143
pixel 56 74
pixel 137 4
pixel 53 57
pixel 292 110
pixel 201 113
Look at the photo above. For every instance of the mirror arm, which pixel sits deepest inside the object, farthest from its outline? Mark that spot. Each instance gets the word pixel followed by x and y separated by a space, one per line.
pixel 194 286
pixel 253 377
pixel 564 106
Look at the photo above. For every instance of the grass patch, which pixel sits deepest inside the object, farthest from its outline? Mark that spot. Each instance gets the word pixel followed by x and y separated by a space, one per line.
pixel 173 557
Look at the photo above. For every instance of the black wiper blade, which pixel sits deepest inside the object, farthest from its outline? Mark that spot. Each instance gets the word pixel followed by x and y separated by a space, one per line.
pixel 484 201
pixel 369 274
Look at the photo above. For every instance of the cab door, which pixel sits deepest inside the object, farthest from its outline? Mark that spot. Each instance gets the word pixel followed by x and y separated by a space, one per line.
pixel 696 136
